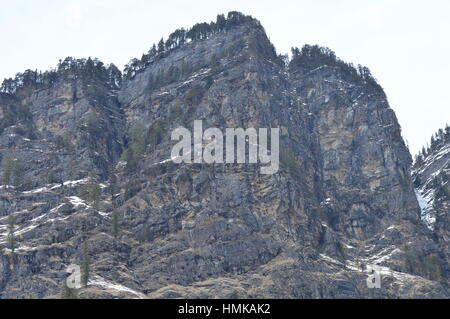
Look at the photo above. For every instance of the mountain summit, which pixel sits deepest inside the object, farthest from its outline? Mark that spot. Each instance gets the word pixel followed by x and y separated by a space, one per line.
pixel 87 178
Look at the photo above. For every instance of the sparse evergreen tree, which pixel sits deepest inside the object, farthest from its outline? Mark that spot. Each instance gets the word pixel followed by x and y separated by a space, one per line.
pixel 161 45
pixel 138 142
pixel 8 86
pixel 152 51
pixel 433 143
pixel 95 192
pixel 182 37
pixel 424 152
pixel 221 22
pixel 18 174
pixel 85 264
pixel 419 160
pixel 92 192
pixel 209 82
pixel 145 59
pixel 11 239
pixel 341 251
pixel 169 44
pixel 8 165
pixel 440 134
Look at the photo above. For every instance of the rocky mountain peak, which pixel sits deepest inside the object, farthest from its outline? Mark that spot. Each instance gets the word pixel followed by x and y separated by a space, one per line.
pixel 86 158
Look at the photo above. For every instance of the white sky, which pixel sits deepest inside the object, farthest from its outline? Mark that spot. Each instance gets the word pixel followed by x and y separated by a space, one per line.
pixel 404 43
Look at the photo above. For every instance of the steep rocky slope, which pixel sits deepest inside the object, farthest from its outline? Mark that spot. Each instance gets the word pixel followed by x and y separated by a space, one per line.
pixel 431 175
pixel 85 144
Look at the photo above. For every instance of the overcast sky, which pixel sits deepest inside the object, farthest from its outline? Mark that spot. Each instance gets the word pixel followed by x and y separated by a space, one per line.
pixel 406 44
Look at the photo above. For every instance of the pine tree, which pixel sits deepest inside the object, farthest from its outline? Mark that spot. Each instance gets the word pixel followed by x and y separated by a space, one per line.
pixel 92 192
pixel 95 192
pixel 85 264
pixel 161 45
pixel 13 172
pixel 11 239
pixel 209 82
pixel 18 174
pixel 440 134
pixel 152 51
pixel 433 143
pixel 169 44
pixel 419 160
pixel 8 165
pixel 221 22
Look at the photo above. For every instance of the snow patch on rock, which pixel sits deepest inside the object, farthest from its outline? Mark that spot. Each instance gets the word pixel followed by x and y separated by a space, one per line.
pixel 99 281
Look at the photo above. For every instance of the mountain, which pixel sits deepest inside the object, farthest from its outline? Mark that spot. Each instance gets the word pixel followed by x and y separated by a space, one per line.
pixel 431 175
pixel 88 178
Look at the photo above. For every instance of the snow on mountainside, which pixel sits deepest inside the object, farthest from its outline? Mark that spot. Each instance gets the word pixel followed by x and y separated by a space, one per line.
pixel 431 178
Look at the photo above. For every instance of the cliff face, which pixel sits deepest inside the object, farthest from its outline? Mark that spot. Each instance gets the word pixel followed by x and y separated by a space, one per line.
pixel 365 163
pixel 341 201
pixel 431 179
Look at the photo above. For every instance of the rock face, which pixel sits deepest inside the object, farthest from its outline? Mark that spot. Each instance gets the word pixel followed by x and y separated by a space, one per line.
pixel 83 150
pixel 431 175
